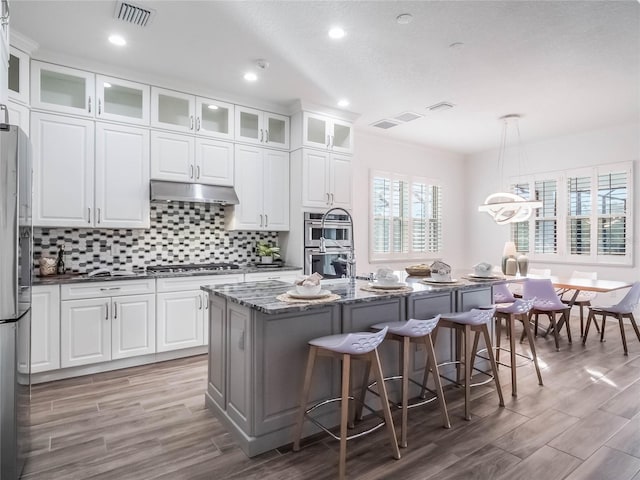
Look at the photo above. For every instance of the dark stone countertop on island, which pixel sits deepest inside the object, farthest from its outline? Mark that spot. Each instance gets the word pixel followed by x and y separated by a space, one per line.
pixel 82 277
pixel 261 296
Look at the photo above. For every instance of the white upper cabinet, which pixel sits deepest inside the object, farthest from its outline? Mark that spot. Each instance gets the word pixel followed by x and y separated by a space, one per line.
pixel 63 151
pixel 122 101
pixel 19 76
pixel 326 179
pixel 262 185
pixel 79 183
pixel 186 113
pixel 122 176
pixel 262 128
pixel 184 158
pixel 76 92
pixel 326 133
pixel 62 89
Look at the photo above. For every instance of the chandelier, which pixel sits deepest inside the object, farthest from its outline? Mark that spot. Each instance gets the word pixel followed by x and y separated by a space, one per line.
pixel 506 207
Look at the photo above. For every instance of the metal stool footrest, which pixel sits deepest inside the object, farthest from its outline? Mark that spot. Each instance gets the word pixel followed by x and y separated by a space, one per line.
pixel 418 403
pixel 473 369
pixel 518 365
pixel 339 399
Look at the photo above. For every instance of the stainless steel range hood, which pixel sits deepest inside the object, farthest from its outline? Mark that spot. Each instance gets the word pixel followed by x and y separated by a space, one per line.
pixel 193 192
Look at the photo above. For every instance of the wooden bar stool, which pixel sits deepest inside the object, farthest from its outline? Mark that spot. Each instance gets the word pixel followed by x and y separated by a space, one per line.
pixel 518 310
pixel 465 323
pixel 418 332
pixel 347 346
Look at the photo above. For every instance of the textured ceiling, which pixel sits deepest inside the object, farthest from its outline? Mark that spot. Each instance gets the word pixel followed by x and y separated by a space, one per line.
pixel 566 66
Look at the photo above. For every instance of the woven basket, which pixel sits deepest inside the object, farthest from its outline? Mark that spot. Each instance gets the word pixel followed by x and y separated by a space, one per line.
pixel 418 270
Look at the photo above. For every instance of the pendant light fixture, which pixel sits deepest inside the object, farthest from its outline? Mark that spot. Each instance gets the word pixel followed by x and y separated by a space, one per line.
pixel 506 207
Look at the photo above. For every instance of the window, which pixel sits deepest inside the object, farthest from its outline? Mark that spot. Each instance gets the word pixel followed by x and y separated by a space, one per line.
pixel 406 217
pixel 585 217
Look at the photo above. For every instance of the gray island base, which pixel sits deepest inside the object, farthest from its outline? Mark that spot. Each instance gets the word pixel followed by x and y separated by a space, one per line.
pixel 258 349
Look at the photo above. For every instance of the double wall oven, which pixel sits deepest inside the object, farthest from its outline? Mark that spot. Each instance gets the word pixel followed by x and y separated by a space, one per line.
pixel 338 242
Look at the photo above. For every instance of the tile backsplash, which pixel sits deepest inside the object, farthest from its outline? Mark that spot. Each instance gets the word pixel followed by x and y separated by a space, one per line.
pixel 180 232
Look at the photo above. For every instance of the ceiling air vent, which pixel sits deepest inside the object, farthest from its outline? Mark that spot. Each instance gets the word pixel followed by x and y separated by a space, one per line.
pixel 132 13
pixel 439 107
pixel 385 124
pixel 408 116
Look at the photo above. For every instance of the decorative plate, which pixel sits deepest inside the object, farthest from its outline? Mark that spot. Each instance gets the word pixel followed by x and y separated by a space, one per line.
pixel 392 286
pixel 321 294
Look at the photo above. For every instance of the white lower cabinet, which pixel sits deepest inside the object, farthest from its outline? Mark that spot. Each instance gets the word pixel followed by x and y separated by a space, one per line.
pixel 182 310
pixel 45 328
pixel 108 324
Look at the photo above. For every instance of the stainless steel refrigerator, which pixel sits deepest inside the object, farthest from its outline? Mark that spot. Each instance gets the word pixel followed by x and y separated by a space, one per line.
pixel 16 266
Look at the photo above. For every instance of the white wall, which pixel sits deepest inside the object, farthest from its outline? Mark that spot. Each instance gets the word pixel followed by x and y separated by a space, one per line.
pixel 611 145
pixel 379 153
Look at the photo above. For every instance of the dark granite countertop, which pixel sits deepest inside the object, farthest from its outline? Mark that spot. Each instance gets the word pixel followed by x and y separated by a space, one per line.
pixel 82 277
pixel 262 295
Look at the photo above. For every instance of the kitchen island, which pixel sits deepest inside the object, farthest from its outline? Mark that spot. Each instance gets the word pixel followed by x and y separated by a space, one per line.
pixel 258 348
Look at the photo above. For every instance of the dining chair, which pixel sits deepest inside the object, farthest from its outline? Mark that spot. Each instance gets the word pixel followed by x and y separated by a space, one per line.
pixel 516 288
pixel 623 309
pixel 546 302
pixel 583 299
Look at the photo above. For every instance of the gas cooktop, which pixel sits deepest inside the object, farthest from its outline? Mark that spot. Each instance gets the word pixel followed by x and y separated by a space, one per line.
pixel 191 267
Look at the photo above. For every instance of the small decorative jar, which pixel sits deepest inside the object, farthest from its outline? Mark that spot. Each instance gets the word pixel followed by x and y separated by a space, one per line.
pixel 47 266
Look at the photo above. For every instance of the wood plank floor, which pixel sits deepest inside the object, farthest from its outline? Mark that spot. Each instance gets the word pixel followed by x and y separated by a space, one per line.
pixel 150 423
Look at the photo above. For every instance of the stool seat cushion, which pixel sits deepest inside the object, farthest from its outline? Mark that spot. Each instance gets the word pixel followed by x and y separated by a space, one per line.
pixel 518 307
pixel 474 316
pixel 351 343
pixel 411 328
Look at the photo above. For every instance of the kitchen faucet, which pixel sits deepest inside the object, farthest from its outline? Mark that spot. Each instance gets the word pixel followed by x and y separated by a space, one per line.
pixel 351 256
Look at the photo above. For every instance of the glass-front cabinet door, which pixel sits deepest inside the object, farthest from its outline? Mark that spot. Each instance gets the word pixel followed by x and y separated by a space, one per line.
pixel 249 125
pixel 62 89
pixel 172 110
pixel 316 131
pixel 19 76
pixel 277 130
pixel 122 101
pixel 214 118
pixel 342 137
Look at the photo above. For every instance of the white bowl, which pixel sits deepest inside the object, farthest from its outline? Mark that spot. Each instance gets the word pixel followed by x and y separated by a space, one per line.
pixel 441 277
pixel 387 281
pixel 308 289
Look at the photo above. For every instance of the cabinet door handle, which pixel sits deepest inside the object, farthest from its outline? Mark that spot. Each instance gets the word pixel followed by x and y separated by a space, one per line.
pixel 99 106
pixel 198 171
pixel 266 133
pixel 199 302
pixel 190 171
pixel 5 13
pixel 261 220
pixel 191 122
pixel 99 216
pixel 106 307
pixel 328 199
pixel 328 141
pixel 332 198
pixel 115 310
pixel 241 341
pixel 89 105
pixel 198 124
pixel 266 220
pixel 261 135
pixel 206 301
pixel 89 215
pixel 331 138
pixel 109 289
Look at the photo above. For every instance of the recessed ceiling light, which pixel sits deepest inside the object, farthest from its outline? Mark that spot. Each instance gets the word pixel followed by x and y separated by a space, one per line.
pixel 336 33
pixel 343 102
pixel 107 85
pixel 212 107
pixel 250 77
pixel 117 40
pixel 404 18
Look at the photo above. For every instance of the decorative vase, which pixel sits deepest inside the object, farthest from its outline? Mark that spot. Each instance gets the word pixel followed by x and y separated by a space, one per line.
pixel 523 264
pixel 511 266
pixel 266 259
pixel 508 252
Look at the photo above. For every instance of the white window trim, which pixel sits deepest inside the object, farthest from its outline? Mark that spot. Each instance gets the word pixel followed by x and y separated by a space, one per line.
pixel 401 256
pixel 563 255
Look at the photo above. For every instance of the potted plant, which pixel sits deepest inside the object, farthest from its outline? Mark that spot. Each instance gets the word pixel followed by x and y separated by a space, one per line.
pixel 267 253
